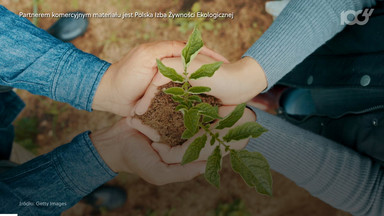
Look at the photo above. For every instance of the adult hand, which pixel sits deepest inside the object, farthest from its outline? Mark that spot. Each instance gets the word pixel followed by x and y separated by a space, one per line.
pixel 175 154
pixel 127 150
pixel 233 83
pixel 126 80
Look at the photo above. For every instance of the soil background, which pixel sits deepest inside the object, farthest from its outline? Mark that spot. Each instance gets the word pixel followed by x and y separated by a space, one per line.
pixel 46 124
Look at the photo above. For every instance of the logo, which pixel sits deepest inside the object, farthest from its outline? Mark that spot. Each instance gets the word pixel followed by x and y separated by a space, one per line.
pixel 366 14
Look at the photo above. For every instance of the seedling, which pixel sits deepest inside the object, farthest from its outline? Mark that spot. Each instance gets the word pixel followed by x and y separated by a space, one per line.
pixel 197 115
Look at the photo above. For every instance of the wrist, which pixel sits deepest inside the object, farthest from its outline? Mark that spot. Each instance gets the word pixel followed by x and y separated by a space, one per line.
pixel 253 74
pixel 101 141
pixel 103 99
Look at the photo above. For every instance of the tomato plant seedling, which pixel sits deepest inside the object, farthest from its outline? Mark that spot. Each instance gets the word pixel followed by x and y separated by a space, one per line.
pixel 197 115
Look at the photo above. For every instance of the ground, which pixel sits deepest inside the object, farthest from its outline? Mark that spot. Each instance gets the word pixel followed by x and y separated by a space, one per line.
pixel 46 124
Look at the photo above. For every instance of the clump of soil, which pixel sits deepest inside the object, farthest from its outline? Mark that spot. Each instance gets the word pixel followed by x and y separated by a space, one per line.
pixel 161 115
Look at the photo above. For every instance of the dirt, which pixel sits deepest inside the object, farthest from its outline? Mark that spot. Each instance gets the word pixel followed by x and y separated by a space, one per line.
pixel 199 198
pixel 110 39
pixel 162 116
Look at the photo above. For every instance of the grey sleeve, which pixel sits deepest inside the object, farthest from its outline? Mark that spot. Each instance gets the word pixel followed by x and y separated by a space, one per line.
pixel 301 28
pixel 332 172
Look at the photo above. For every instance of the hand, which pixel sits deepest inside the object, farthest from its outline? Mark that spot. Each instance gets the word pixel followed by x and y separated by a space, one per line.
pixel 126 150
pixel 233 83
pixel 175 154
pixel 126 80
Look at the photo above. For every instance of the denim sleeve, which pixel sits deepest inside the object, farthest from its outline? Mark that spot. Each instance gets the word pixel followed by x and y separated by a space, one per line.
pixel 33 60
pixel 301 28
pixel 52 183
pixel 332 172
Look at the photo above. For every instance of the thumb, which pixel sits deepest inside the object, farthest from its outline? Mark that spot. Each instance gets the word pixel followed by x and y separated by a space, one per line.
pixel 168 154
pixel 181 173
pixel 146 130
pixel 208 52
pixel 166 49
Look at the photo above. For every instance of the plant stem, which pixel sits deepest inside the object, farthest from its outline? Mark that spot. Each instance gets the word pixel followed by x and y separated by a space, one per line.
pixel 186 86
pixel 35 10
pixel 185 73
pixel 210 133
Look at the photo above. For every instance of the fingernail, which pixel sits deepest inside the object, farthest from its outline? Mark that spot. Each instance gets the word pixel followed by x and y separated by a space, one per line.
pixel 140 110
pixel 156 137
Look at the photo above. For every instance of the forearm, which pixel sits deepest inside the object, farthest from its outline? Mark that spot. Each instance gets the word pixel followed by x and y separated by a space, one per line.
pixel 33 60
pixel 332 172
pixel 300 29
pixel 64 175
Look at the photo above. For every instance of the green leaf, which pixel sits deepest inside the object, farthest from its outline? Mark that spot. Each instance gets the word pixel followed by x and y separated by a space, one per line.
pixel 213 167
pixel 174 91
pixel 194 149
pixel 254 169
pixel 232 118
pixel 188 134
pixel 206 126
pixel 194 45
pixel 207 119
pixel 180 107
pixel 169 72
pixel 206 70
pixel 189 103
pixel 199 89
pixel 185 85
pixel 196 7
pixel 208 110
pixel 212 141
pixel 191 119
pixel 249 129
pixel 177 99
pixel 194 98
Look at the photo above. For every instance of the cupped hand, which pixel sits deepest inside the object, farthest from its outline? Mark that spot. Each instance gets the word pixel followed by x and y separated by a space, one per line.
pixel 127 80
pixel 124 149
pixel 174 155
pixel 233 83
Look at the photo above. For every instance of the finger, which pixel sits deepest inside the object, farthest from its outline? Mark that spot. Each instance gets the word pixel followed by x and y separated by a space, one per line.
pixel 168 154
pixel 174 154
pixel 166 49
pixel 148 131
pixel 155 171
pixel 208 52
pixel 166 174
pixel 143 104
pixel 161 147
pixel 160 80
